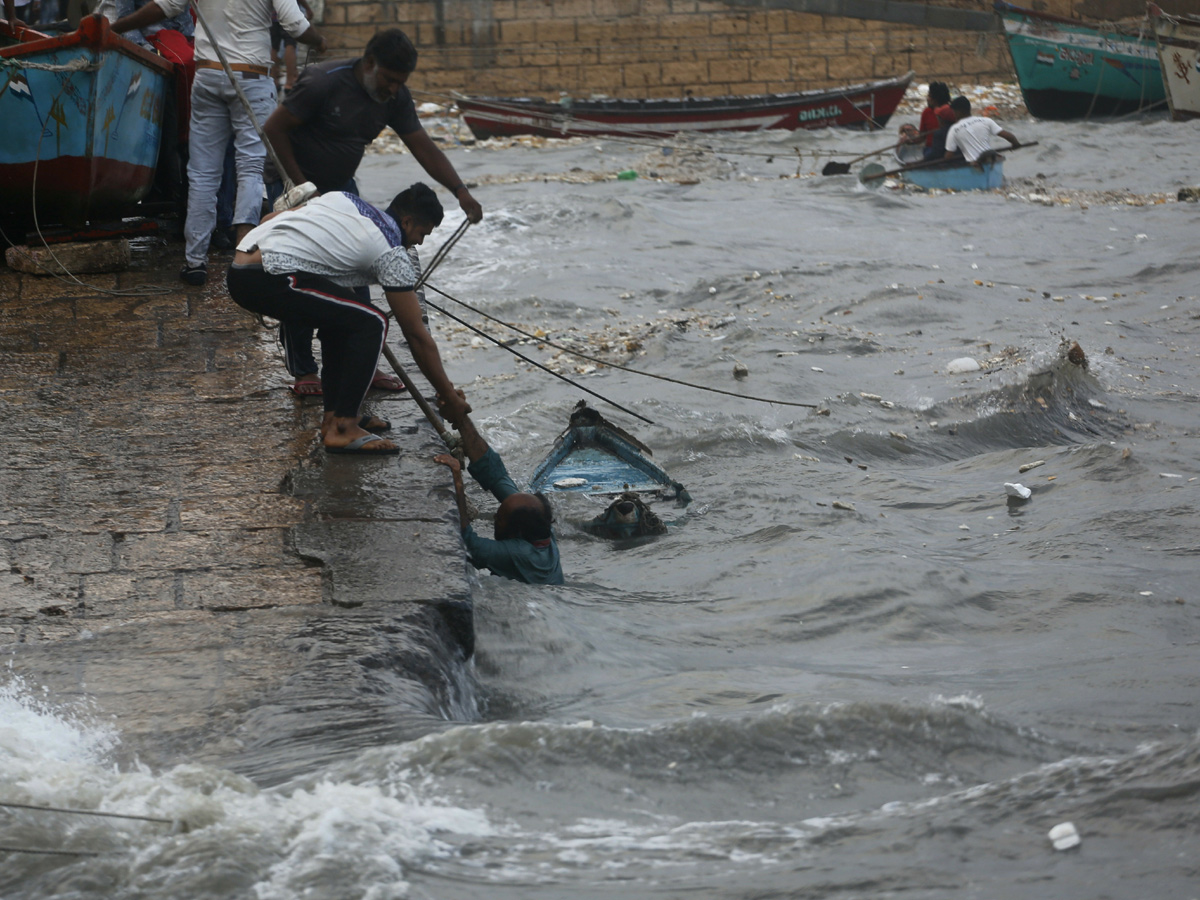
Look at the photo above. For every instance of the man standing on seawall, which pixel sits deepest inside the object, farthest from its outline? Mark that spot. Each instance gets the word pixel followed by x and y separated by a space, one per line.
pixel 321 131
pixel 972 135
pixel 242 29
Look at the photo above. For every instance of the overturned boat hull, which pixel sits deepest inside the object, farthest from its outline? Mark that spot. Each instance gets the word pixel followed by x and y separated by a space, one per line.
pixel 596 458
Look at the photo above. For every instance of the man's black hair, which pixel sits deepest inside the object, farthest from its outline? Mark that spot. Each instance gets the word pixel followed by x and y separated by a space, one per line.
pixel 392 49
pixel 418 201
pixel 939 91
pixel 961 105
pixel 531 524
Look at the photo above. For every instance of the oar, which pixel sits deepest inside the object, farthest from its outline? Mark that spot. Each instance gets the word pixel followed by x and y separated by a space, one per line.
pixel 872 172
pixel 837 168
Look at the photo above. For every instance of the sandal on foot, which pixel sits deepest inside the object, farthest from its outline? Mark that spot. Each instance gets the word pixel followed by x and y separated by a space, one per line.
pixel 374 424
pixel 384 382
pixel 307 388
pixel 359 447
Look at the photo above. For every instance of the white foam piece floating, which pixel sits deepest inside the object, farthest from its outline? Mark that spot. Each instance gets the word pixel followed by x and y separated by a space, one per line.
pixel 1017 490
pixel 570 482
pixel 961 365
pixel 1064 836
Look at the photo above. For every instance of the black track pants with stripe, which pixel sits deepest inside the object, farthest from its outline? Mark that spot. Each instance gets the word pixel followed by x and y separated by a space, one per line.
pixel 351 332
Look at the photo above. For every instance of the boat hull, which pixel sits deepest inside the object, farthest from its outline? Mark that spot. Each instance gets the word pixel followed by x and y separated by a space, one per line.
pixel 862 105
pixel 958 176
pixel 596 458
pixel 81 136
pixel 1178 42
pixel 1069 70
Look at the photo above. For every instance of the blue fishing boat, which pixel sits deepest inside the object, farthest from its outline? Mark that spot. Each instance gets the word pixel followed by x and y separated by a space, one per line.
pixel 82 116
pixel 1069 69
pixel 597 458
pixel 957 175
pixel 943 174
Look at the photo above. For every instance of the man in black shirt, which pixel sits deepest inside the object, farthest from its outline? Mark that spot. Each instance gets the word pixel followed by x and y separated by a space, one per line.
pixel 321 130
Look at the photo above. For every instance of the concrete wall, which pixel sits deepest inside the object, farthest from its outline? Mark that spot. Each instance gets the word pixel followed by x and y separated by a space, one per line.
pixel 667 48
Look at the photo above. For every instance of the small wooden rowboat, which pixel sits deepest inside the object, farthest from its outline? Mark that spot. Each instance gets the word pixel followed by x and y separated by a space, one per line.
pixel 866 106
pixel 1069 69
pixel 1178 40
pixel 946 175
pixel 82 116
pixel 597 458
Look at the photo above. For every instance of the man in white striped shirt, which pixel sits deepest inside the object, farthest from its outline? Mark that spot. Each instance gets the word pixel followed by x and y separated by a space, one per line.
pixel 242 29
pixel 972 135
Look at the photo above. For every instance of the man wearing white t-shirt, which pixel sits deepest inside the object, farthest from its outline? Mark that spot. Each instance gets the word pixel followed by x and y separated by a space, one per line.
pixel 302 266
pixel 971 136
pixel 242 29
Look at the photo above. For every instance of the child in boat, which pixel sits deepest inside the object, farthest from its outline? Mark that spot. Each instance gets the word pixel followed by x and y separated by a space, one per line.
pixel 910 148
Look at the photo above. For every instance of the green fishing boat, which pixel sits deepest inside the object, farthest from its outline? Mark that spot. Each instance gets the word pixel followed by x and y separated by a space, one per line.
pixel 1069 69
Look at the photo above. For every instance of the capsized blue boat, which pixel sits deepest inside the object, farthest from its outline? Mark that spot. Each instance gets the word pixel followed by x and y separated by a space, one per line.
pixel 595 457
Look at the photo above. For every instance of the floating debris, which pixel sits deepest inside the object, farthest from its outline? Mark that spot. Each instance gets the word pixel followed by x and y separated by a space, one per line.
pixel 962 365
pixel 1032 465
pixel 740 370
pixel 1064 836
pixel 839 504
pixel 1017 490
pixel 1076 355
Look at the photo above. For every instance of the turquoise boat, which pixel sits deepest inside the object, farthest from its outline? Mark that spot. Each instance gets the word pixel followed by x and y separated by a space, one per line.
pixel 944 175
pixel 597 458
pixel 957 175
pixel 82 116
pixel 1069 69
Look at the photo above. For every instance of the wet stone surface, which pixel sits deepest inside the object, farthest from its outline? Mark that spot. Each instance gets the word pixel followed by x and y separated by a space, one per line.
pixel 175 546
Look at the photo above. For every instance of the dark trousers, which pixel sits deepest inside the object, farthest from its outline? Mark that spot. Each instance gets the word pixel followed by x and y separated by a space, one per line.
pixel 297 342
pixel 351 332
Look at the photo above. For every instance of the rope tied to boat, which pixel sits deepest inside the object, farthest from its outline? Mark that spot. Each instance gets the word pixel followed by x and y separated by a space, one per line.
pixel 76 65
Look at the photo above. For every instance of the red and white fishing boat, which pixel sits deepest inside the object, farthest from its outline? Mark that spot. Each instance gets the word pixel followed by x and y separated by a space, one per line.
pixel 866 106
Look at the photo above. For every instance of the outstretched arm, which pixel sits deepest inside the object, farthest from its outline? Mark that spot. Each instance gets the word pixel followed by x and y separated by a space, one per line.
pixel 147 15
pixel 425 352
pixel 1010 137
pixel 434 161
pixel 460 494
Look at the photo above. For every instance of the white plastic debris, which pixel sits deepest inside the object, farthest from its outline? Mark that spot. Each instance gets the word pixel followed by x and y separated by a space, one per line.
pixel 1017 490
pixel 840 504
pixel 1064 836
pixel 570 482
pixel 961 365
pixel 1032 465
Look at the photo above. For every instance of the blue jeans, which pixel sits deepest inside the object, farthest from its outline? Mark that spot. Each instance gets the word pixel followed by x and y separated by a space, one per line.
pixel 217 115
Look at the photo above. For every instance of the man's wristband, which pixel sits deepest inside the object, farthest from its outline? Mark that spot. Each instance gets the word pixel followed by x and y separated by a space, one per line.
pixel 458 187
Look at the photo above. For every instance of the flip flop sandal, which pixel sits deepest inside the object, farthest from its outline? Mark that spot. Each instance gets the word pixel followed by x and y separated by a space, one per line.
pixel 307 389
pixel 382 382
pixel 383 424
pixel 358 447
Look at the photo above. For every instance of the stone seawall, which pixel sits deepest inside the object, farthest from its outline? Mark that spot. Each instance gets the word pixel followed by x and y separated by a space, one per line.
pixel 670 48
pixel 176 548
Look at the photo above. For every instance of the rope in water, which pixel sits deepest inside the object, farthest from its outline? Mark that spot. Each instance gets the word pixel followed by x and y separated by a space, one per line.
pixel 441 255
pixel 85 812
pixel 611 365
pixel 48 852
